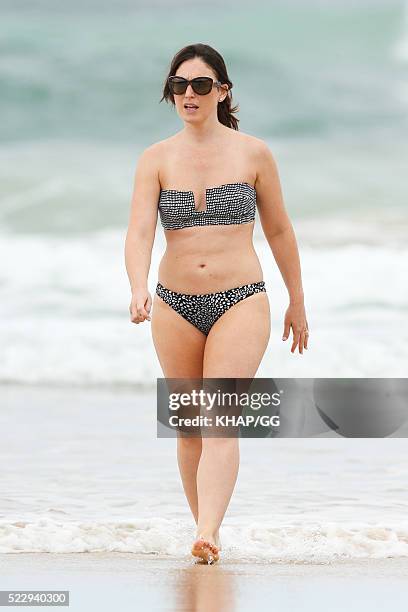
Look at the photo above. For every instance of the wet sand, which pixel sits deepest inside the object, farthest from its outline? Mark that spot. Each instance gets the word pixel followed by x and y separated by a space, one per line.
pixel 102 581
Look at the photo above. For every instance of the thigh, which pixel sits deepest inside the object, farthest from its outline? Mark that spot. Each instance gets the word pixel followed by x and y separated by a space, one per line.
pixel 238 340
pixel 179 345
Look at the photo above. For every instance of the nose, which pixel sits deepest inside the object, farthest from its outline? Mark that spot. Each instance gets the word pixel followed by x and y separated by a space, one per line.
pixel 190 91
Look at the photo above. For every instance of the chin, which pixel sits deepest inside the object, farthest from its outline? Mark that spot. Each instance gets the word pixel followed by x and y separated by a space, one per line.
pixel 189 119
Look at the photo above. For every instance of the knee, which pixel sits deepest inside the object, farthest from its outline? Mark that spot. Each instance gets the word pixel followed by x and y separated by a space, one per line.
pixel 218 443
pixel 189 442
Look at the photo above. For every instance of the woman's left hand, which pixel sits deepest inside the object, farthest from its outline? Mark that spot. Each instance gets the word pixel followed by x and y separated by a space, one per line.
pixel 295 318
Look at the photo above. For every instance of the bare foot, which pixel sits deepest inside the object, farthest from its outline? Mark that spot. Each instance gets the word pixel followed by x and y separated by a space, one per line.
pixel 204 549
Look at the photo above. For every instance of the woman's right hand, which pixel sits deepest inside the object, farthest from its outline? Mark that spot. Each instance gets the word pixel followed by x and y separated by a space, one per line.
pixel 140 306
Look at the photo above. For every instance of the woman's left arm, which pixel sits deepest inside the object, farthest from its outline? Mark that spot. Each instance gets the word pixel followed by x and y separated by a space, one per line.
pixel 281 238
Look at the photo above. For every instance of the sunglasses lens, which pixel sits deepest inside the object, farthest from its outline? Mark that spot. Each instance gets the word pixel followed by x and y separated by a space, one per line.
pixel 202 86
pixel 178 86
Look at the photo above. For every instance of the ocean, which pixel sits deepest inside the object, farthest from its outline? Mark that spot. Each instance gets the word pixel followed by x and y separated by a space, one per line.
pixel 325 85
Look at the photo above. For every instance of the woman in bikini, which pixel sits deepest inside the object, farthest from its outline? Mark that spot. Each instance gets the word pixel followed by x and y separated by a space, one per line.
pixel 210 315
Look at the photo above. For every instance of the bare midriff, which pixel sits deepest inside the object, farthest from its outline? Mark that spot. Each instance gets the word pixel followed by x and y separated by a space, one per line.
pixel 209 258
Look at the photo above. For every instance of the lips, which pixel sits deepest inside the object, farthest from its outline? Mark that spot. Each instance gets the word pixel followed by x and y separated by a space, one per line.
pixel 190 106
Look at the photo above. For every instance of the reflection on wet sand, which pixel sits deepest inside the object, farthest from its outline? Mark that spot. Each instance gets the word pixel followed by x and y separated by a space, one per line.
pixel 205 587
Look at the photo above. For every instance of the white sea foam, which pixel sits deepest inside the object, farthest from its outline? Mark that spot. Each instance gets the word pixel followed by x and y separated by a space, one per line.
pixel 64 310
pixel 267 541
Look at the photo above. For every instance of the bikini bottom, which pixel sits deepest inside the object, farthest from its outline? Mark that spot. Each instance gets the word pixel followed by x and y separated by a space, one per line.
pixel 204 309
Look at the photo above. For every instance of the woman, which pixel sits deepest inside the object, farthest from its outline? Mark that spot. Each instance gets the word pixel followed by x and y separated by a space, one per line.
pixel 205 182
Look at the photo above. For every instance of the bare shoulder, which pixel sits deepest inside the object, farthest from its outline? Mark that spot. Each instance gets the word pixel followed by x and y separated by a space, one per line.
pixel 247 139
pixel 152 152
pixel 258 150
pixel 267 183
pixel 149 162
pixel 265 163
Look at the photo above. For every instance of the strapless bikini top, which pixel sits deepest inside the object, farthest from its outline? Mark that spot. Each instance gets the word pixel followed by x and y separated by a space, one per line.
pixel 231 203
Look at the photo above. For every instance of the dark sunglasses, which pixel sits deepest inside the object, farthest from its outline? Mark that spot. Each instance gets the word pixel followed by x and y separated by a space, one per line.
pixel 201 85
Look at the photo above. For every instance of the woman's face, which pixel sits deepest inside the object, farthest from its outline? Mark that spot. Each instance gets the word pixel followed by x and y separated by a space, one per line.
pixel 205 105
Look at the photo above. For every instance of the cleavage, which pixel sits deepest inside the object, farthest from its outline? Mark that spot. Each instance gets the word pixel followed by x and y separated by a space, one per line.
pixel 200 200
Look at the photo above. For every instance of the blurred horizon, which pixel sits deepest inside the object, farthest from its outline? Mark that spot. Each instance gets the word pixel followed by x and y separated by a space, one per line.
pixel 68 74
pixel 310 78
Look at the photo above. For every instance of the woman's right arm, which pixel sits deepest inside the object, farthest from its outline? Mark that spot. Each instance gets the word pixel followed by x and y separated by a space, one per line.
pixel 141 231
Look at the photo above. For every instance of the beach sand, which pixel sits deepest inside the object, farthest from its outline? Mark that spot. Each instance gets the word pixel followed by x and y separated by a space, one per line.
pixel 102 581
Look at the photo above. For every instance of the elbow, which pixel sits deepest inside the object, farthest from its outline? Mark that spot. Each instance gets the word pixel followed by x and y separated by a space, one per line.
pixel 140 235
pixel 278 230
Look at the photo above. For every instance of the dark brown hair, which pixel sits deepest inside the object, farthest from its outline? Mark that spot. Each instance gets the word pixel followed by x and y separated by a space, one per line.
pixel 214 60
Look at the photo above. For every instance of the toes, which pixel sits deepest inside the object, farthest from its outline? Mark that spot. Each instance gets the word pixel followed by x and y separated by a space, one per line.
pixel 209 551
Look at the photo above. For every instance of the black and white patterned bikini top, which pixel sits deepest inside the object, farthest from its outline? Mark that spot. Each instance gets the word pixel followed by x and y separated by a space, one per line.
pixel 231 203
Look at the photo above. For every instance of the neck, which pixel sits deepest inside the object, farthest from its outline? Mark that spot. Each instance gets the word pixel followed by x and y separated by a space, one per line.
pixel 204 132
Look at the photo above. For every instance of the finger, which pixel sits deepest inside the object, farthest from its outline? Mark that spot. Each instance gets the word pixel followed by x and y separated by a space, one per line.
pixel 133 312
pixel 296 336
pixel 141 312
pixel 302 342
pixel 307 335
pixel 286 331
pixel 136 314
pixel 149 306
